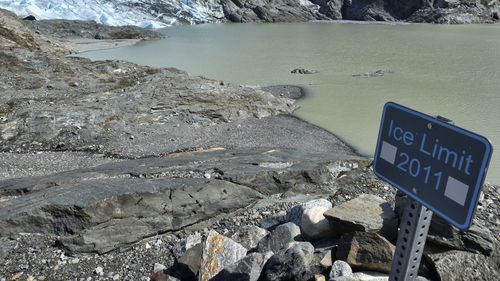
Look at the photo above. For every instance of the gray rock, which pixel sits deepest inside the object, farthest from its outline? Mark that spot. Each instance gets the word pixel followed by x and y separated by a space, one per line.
pixel 339 269
pixel 314 225
pixel 278 240
pixel 247 269
pixel 366 251
pixel 294 214
pixel 478 239
pixel 188 254
pixel 364 213
pixel 249 236
pixel 159 267
pixel 185 244
pixel 293 264
pixel 327 260
pixel 363 276
pixel 108 214
pixel 218 253
pixel 460 265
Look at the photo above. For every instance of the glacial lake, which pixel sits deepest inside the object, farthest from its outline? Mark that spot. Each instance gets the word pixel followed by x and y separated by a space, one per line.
pixel 447 70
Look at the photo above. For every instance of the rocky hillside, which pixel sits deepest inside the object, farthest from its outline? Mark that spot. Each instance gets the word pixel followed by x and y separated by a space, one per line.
pixel 158 13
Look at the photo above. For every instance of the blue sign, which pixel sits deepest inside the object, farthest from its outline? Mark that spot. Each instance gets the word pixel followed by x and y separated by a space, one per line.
pixel 434 162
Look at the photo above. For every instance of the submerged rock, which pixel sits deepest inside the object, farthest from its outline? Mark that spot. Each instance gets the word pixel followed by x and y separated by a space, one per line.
pixel 303 71
pixel 376 73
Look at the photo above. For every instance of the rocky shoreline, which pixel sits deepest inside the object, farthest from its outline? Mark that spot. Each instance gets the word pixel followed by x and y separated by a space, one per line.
pixel 116 171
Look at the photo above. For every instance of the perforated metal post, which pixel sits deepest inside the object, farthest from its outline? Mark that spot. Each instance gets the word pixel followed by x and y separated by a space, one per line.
pixel 411 240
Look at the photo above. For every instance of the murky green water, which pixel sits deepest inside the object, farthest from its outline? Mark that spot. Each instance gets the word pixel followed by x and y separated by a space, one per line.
pixel 453 71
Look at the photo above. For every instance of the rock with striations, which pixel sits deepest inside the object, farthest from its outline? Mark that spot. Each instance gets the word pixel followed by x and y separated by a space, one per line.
pixel 248 268
pixel 293 264
pixel 278 240
pixel 294 214
pixel 340 268
pixel 249 236
pixel 314 225
pixel 108 213
pixel 366 251
pixel 364 213
pixel 218 253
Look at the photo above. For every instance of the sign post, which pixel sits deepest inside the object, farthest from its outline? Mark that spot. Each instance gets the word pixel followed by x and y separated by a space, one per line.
pixel 441 167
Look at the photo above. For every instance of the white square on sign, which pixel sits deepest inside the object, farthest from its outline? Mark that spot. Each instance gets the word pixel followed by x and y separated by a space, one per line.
pixel 388 152
pixel 456 190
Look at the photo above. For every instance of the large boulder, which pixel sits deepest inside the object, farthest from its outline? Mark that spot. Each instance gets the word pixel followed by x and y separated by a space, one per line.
pixel 364 213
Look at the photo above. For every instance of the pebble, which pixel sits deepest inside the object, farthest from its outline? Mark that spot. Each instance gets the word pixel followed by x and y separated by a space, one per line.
pixel 99 271
pixel 147 246
pixel 159 267
pixel 207 175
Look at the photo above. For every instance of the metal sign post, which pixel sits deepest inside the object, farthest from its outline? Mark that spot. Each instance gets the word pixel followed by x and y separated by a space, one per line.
pixel 411 241
pixel 441 167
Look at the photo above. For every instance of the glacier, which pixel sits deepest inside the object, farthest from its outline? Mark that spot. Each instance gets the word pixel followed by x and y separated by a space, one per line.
pixel 143 13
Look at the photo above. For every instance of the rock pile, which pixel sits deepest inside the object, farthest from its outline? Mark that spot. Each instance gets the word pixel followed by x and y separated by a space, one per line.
pixel 353 247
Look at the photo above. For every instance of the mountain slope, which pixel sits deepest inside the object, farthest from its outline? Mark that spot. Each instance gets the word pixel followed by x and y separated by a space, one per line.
pixel 159 13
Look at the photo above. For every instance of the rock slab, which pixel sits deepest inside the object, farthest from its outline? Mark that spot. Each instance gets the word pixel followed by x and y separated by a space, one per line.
pixel 364 213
